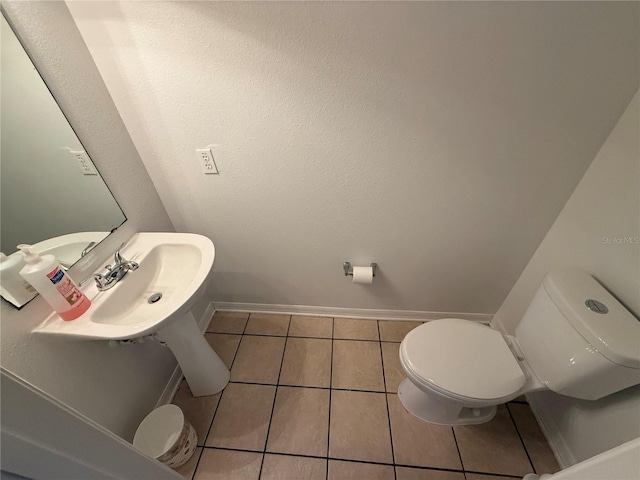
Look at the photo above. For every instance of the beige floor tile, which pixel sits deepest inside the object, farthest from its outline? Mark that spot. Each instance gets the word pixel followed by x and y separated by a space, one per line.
pixel 393 373
pixel 420 443
pixel 318 327
pixel 406 473
pixel 225 345
pixel 242 419
pixel 357 365
pixel 300 422
pixel 267 324
pixel 228 322
pixel 478 476
pixel 188 469
pixel 339 470
pixel 493 447
pixel 198 410
pixel 258 359
pixel 228 465
pixel 307 362
pixel 392 331
pixel 359 427
pixel 534 440
pixel 355 329
pixel 286 467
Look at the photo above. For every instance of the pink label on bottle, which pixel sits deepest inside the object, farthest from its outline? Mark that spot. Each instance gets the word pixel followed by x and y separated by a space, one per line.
pixel 64 285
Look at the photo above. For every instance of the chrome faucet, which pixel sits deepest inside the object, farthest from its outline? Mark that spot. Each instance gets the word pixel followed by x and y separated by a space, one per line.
pixel 114 273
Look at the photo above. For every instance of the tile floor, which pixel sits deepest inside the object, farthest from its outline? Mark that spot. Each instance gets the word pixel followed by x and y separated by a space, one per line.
pixel 315 398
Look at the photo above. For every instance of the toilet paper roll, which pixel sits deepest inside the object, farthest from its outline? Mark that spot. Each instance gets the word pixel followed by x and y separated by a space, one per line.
pixel 362 275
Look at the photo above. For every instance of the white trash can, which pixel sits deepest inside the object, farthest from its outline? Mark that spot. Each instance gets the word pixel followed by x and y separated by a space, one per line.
pixel 167 436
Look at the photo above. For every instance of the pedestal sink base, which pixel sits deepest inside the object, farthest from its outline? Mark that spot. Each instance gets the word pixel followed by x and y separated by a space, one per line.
pixel 203 369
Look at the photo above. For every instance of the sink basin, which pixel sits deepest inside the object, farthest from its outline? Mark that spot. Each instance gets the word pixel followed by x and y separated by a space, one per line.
pixel 176 265
pixel 174 271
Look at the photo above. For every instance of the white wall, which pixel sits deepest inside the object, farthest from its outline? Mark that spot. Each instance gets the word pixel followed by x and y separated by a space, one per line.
pixel 598 230
pixel 440 139
pixel 116 387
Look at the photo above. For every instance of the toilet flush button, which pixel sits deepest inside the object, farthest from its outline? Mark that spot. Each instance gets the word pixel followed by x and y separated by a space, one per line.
pixel 596 306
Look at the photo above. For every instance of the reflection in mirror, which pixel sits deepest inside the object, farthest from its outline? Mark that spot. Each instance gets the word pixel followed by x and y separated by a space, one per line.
pixel 49 187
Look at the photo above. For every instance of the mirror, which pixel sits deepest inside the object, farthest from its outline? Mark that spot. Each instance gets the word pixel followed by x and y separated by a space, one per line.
pixel 51 195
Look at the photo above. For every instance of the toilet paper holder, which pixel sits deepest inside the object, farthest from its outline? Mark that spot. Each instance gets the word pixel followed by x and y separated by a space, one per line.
pixel 348 269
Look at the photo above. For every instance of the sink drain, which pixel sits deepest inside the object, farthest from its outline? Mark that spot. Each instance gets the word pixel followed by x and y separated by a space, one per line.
pixel 154 298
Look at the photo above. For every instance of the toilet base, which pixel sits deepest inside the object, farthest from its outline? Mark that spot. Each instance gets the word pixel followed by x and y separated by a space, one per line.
pixel 433 408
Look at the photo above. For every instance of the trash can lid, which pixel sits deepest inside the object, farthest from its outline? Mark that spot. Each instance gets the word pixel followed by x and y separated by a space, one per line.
pixel 159 430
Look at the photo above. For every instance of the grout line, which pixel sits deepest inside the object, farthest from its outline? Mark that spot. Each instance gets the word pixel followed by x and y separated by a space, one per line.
pixel 310 386
pixel 455 439
pixel 497 475
pixel 283 385
pixel 417 467
pixel 197 462
pixel 275 397
pixel 333 321
pixel 386 402
pixel 356 340
pixel 204 440
pixel 224 333
pixel 513 421
pixel 309 337
pixel 235 354
pixel 303 336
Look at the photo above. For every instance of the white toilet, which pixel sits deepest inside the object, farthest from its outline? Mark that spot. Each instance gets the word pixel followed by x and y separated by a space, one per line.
pixel 575 339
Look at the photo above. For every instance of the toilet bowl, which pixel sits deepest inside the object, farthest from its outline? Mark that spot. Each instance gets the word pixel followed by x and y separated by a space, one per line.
pixel 575 339
pixel 458 371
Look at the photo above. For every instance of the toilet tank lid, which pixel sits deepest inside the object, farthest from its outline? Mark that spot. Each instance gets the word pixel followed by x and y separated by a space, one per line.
pixel 615 334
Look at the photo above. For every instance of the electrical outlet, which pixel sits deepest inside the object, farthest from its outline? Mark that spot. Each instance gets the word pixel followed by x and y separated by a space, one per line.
pixel 207 163
pixel 84 162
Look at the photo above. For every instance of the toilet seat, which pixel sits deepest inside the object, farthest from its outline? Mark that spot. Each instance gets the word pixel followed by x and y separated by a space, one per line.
pixel 462 359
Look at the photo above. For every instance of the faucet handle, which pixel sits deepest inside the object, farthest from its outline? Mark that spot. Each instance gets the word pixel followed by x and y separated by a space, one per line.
pixel 118 258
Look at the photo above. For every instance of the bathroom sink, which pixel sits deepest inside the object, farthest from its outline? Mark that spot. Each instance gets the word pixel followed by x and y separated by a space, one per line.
pixel 174 271
pixel 155 301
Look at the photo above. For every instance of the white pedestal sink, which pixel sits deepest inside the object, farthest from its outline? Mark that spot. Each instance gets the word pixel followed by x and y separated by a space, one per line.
pixel 177 268
pixel 205 372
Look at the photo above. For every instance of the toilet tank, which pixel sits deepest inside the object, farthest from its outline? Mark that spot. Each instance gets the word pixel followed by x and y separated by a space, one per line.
pixel 578 339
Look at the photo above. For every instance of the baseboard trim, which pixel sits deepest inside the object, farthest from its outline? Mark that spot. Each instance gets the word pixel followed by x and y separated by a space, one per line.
pixel 497 325
pixel 346 312
pixel 551 432
pixel 171 388
pixel 176 377
pixel 204 321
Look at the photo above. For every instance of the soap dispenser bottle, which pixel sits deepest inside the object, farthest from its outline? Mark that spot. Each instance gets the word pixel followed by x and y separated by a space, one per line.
pixel 48 277
pixel 12 286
